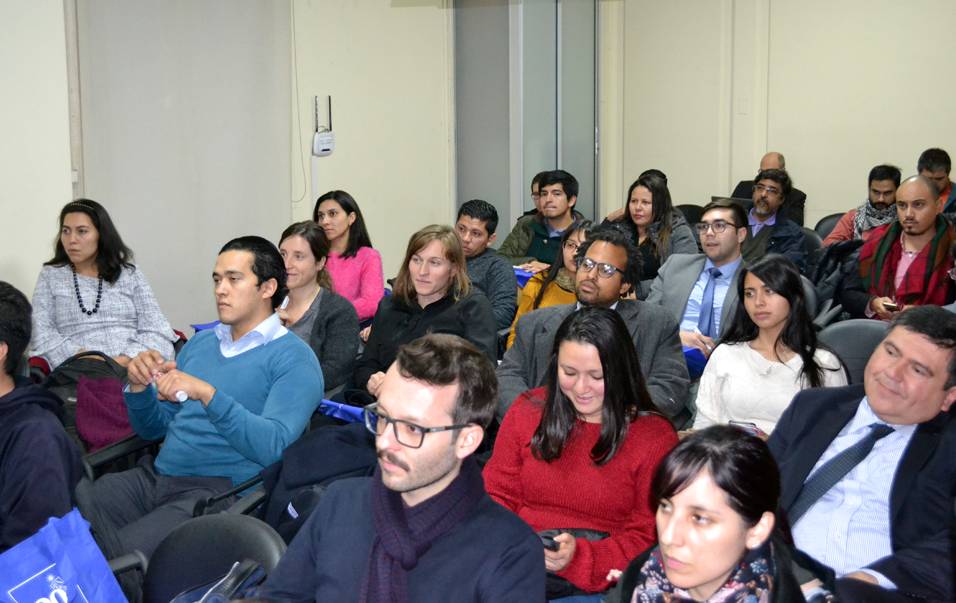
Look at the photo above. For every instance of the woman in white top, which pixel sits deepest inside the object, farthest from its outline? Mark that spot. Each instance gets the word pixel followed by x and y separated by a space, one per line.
pixel 769 353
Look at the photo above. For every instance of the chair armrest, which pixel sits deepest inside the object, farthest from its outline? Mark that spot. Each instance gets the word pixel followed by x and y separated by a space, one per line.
pixel 117 450
pixel 131 561
pixel 203 504
pixel 248 503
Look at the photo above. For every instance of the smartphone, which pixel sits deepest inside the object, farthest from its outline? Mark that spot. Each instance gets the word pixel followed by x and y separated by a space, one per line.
pixel 549 543
pixel 746 427
pixel 891 306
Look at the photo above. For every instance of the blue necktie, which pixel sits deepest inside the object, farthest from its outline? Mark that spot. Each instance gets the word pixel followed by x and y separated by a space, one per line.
pixel 834 470
pixel 705 322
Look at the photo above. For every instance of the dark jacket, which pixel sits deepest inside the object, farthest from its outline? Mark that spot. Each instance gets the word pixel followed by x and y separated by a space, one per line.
pixel 787 239
pixel 792 209
pixel 495 277
pixel 335 338
pixel 491 557
pixel 397 323
pixel 921 497
pixel 39 463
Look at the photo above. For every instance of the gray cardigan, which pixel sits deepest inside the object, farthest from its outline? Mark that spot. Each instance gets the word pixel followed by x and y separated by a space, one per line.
pixel 335 338
pixel 655 335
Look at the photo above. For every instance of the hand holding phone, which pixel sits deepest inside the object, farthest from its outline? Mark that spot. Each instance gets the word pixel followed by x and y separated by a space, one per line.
pixel 891 306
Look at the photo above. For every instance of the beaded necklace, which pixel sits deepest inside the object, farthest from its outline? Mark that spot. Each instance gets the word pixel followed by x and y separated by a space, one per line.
pixel 99 293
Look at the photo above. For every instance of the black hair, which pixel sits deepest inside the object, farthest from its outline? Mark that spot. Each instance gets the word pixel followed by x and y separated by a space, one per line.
pixel 615 235
pixel 589 228
pixel 537 179
pixel 781 177
pixel 625 392
pixel 312 234
pixel 885 172
pixel 477 209
pixel 112 255
pixel 934 160
pixel 781 276
pixel 662 207
pixel 267 263
pixel 568 182
pixel 937 325
pixel 740 464
pixel 358 234
pixel 740 214
pixel 654 172
pixel 15 325
pixel 442 359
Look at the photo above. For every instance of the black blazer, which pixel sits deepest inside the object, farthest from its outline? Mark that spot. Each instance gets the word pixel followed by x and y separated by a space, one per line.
pixel 921 498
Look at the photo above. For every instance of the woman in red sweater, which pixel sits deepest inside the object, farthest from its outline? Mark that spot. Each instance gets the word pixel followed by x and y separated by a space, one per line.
pixel 576 454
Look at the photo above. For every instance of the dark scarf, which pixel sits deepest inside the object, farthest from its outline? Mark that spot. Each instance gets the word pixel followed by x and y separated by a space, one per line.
pixel 868 217
pixel 403 535
pixel 753 580
pixel 926 281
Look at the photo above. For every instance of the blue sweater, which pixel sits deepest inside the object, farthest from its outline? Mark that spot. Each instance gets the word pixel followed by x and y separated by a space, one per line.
pixel 263 401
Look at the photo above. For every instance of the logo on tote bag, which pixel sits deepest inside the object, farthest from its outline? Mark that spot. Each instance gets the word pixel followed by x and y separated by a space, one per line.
pixel 45 587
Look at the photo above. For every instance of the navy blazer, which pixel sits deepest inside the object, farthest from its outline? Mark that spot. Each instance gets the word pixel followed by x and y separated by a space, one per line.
pixel 921 498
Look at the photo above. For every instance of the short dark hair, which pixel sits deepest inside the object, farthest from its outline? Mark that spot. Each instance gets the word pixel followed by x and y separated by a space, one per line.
pixel 358 233
pixel 537 179
pixel 568 182
pixel 112 255
pixel 319 244
pixel 781 177
pixel 480 210
pixel 885 172
pixel 266 263
pixel 934 160
pixel 625 393
pixel 654 172
pixel 740 464
pixel 617 236
pixel 937 325
pixel 736 209
pixel 442 359
pixel 15 325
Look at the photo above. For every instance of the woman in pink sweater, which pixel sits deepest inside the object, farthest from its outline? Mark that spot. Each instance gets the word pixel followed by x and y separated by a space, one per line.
pixel 578 454
pixel 355 267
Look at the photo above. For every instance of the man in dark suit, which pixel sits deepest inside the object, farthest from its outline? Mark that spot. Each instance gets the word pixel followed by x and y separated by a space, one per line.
pixel 608 266
pixel 881 514
pixel 700 291
pixel 796 202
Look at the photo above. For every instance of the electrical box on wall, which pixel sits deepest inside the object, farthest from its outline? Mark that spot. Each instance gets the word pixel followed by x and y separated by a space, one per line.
pixel 323 142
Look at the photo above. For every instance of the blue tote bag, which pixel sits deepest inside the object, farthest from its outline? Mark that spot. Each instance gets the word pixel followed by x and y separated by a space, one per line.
pixel 59 564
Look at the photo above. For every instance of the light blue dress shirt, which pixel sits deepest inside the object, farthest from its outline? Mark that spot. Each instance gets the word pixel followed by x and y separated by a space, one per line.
pixel 848 528
pixel 692 309
pixel 268 330
pixel 756 225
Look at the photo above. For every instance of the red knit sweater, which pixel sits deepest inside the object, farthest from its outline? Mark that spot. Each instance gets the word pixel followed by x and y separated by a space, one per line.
pixel 573 492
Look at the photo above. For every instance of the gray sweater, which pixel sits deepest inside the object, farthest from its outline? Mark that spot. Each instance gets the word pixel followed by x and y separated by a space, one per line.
pixel 495 277
pixel 334 336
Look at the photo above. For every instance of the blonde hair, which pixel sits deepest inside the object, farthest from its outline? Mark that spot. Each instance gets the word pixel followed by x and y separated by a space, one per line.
pixel 404 287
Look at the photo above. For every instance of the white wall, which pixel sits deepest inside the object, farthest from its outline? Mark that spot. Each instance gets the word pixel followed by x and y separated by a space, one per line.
pixel 388 66
pixel 35 172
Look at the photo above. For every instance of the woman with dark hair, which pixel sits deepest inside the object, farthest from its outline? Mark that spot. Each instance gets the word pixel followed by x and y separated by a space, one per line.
pixel 90 296
pixel 355 267
pixel 717 495
pixel 657 229
pixel 432 294
pixel 580 452
pixel 555 286
pixel 315 312
pixel 768 354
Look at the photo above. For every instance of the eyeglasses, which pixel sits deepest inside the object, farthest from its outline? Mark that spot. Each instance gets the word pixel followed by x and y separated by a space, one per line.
pixel 604 270
pixel 571 246
pixel 770 190
pixel 952 273
pixel 718 226
pixel 407 434
pixel 535 196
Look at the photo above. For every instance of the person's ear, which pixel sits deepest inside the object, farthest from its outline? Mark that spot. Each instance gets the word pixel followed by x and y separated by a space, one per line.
pixel 4 350
pixel 468 440
pixel 741 234
pixel 268 288
pixel 572 201
pixel 322 263
pixel 947 401
pixel 759 534
pixel 625 287
pixel 351 218
pixel 491 238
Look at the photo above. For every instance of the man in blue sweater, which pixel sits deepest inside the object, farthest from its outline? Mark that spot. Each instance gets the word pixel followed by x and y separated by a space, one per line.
pixel 423 529
pixel 232 401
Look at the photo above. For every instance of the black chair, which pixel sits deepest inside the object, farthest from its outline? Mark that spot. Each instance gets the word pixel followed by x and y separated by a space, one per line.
pixel 811 240
pixel 854 341
pixel 810 293
pixel 691 213
pixel 826 225
pixel 204 549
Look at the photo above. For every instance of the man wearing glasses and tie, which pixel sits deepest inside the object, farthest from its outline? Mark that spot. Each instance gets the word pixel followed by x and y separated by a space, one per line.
pixel 768 232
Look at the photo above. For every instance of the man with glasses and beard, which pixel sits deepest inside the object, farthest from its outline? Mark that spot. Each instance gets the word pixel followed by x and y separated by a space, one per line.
pixel 768 232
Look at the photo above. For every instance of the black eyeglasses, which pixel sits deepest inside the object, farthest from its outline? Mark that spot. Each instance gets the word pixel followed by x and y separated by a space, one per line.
pixel 407 434
pixel 604 270
pixel 571 246
pixel 718 226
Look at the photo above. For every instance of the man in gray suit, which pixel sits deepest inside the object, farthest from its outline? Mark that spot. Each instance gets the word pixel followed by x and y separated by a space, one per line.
pixel 608 266
pixel 700 291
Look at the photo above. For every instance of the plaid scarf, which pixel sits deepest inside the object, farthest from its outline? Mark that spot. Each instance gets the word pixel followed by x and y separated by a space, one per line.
pixel 751 581
pixel 868 217
pixel 926 281
pixel 405 534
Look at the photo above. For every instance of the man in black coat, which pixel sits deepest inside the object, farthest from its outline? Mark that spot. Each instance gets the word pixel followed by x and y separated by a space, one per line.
pixel 796 201
pixel 882 523
pixel 39 463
